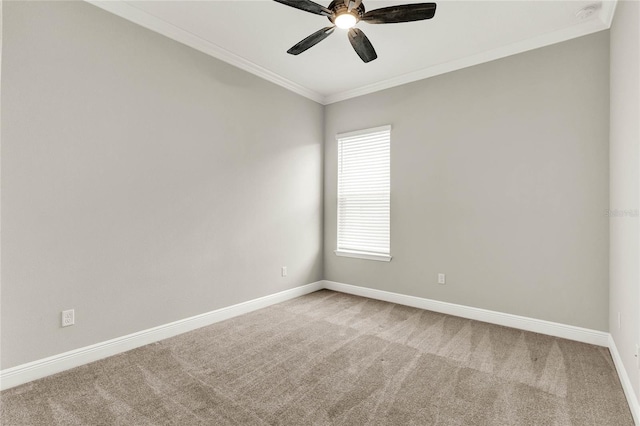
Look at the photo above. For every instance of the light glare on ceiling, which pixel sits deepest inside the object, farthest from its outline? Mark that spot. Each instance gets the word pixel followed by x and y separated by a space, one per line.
pixel 345 21
pixel 588 11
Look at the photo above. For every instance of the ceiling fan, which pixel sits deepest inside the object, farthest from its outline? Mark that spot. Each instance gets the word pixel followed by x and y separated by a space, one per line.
pixel 347 13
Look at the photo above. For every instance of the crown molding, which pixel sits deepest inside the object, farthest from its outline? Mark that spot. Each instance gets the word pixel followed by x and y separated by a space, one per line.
pixel 607 11
pixel 144 19
pixel 588 27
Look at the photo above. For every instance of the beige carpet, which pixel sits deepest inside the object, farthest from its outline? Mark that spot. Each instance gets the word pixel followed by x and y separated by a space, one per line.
pixel 333 359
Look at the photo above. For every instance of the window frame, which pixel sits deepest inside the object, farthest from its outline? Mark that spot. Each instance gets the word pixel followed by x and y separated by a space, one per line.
pixel 381 257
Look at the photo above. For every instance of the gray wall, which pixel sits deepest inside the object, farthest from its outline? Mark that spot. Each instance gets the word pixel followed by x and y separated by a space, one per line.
pixel 625 177
pixel 142 181
pixel 499 179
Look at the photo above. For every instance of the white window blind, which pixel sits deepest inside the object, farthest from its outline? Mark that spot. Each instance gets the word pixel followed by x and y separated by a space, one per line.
pixel 364 176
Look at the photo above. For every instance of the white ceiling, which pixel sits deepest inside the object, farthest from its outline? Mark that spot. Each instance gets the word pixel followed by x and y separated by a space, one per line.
pixel 255 35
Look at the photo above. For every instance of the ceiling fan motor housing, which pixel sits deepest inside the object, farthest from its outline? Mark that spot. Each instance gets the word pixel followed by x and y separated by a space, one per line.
pixel 339 7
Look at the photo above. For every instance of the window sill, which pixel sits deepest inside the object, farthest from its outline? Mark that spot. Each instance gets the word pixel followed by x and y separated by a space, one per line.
pixel 366 256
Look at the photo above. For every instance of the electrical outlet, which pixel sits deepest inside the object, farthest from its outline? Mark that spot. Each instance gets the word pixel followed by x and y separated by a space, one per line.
pixel 442 279
pixel 68 318
pixel 284 271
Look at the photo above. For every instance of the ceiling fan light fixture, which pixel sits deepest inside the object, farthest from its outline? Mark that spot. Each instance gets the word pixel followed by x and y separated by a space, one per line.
pixel 346 14
pixel 345 21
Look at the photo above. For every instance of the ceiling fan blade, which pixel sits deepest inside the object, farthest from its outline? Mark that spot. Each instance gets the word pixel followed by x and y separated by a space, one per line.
pixel 352 4
pixel 307 6
pixel 311 41
pixel 362 45
pixel 402 13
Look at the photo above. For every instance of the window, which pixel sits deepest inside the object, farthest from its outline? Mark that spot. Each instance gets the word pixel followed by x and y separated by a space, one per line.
pixel 364 176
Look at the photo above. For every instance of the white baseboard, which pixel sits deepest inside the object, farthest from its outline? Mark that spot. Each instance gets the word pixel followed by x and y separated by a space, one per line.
pixel 632 399
pixel 570 332
pixel 24 373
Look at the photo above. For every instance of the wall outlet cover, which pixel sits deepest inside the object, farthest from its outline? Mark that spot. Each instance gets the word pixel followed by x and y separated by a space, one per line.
pixel 68 318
